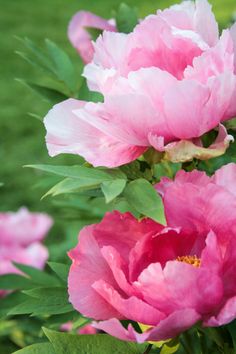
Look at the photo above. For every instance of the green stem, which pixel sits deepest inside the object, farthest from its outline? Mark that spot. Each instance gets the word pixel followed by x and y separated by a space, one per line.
pixel 148 349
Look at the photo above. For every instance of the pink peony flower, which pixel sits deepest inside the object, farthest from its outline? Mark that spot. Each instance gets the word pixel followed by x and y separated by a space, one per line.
pixel 165 277
pixel 20 236
pixel 87 329
pixel 165 84
pixel 79 35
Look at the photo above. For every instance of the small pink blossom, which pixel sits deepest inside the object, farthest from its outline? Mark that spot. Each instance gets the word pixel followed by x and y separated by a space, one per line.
pixel 79 35
pixel 166 277
pixel 20 236
pixel 87 329
pixel 165 85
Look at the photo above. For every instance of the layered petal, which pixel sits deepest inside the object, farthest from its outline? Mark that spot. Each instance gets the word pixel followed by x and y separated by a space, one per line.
pixel 88 267
pixel 79 35
pixel 67 133
pixel 226 177
pixel 170 327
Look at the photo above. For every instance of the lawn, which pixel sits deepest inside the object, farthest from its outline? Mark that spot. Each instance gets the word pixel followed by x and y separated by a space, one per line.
pixel 22 137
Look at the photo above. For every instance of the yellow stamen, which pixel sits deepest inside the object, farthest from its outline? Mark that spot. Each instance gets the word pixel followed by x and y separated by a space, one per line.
pixel 192 260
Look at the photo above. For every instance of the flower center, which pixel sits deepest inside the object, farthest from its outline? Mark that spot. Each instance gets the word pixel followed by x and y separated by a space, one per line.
pixel 192 260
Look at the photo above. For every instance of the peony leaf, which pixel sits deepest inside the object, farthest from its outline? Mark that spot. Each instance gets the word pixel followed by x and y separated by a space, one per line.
pixel 48 93
pixel 112 189
pixel 91 344
pixel 60 269
pixel 39 348
pixel 38 276
pixel 63 66
pixel 81 172
pixel 142 196
pixel 44 302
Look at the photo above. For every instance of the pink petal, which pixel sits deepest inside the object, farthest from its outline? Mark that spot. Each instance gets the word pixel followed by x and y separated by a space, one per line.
pixel 226 177
pixel 203 209
pixel 174 324
pixel 205 23
pixel 34 255
pixel 67 133
pixel 126 118
pixel 88 329
pixel 88 267
pixel 122 231
pixel 155 43
pixel 226 315
pixel 23 228
pixel 229 267
pixel 233 36
pixel 214 61
pixel 194 103
pixel 115 329
pixel 168 328
pixel 194 177
pixel 119 269
pixel 80 37
pixel 180 15
pixel 161 247
pixel 131 308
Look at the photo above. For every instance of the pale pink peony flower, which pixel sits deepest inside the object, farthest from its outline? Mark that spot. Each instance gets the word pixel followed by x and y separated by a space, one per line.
pixel 79 35
pixel 165 84
pixel 166 277
pixel 20 236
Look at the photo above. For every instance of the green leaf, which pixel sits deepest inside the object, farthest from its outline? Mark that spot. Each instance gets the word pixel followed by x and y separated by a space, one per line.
pixel 126 18
pixel 14 282
pixel 62 65
pixel 70 185
pixel 38 276
pixel 39 348
pixel 10 301
pixel 80 172
pixel 142 196
pixel 90 344
pixel 49 94
pixel 112 189
pixel 42 59
pixel 86 95
pixel 44 301
pixel 232 330
pixel 60 269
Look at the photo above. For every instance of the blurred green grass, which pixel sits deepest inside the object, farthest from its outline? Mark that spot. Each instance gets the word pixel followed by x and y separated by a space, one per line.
pixel 22 137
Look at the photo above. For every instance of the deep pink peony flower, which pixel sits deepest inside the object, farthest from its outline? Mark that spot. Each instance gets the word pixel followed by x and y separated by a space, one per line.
pixel 165 84
pixel 20 236
pixel 170 277
pixel 79 35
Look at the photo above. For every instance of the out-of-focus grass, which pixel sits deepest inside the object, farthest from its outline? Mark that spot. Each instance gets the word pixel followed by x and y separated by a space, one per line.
pixel 22 137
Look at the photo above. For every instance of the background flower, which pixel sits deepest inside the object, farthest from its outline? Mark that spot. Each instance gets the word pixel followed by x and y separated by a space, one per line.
pixel 20 236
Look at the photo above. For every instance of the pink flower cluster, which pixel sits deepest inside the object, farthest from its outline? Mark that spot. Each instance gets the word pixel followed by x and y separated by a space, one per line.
pixel 21 234
pixel 166 277
pixel 165 84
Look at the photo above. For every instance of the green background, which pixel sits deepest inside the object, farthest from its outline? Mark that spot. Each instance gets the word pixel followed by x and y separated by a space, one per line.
pixel 22 137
